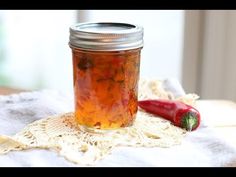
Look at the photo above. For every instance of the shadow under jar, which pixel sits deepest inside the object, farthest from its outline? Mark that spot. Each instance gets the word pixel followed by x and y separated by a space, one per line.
pixel 106 63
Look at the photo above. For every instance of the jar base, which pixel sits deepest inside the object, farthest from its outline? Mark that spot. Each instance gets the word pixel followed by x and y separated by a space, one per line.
pixel 85 128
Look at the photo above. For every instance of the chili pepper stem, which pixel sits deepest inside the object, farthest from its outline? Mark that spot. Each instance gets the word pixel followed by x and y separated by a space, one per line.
pixel 189 121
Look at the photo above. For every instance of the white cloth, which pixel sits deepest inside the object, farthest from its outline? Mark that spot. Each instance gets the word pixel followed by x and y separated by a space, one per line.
pixel 199 148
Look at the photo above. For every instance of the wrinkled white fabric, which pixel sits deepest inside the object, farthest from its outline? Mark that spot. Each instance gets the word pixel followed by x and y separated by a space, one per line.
pixel 199 148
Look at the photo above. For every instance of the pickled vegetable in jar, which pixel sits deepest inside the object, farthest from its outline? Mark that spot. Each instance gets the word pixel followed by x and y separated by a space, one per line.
pixel 106 63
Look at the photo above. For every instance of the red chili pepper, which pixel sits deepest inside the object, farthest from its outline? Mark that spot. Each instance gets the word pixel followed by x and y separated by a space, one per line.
pixel 180 114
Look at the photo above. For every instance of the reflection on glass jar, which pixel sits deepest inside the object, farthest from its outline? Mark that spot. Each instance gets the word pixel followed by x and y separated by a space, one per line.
pixel 106 80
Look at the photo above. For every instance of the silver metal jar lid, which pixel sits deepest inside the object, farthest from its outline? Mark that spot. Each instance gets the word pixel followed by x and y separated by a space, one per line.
pixel 106 36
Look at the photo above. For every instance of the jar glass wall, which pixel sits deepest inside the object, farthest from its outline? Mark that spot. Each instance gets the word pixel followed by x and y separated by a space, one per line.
pixel 106 86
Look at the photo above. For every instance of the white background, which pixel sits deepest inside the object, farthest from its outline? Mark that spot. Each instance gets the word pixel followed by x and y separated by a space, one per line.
pixel 37 54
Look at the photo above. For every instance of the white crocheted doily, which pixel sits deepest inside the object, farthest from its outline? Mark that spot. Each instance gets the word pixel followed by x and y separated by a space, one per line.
pixel 60 133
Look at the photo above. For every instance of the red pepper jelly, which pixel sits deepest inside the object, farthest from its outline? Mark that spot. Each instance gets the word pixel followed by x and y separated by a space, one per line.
pixel 106 62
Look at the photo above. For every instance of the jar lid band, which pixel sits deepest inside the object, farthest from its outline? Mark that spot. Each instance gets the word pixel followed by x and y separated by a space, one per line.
pixel 106 36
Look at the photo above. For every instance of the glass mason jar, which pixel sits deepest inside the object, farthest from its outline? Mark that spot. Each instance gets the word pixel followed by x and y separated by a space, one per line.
pixel 106 62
